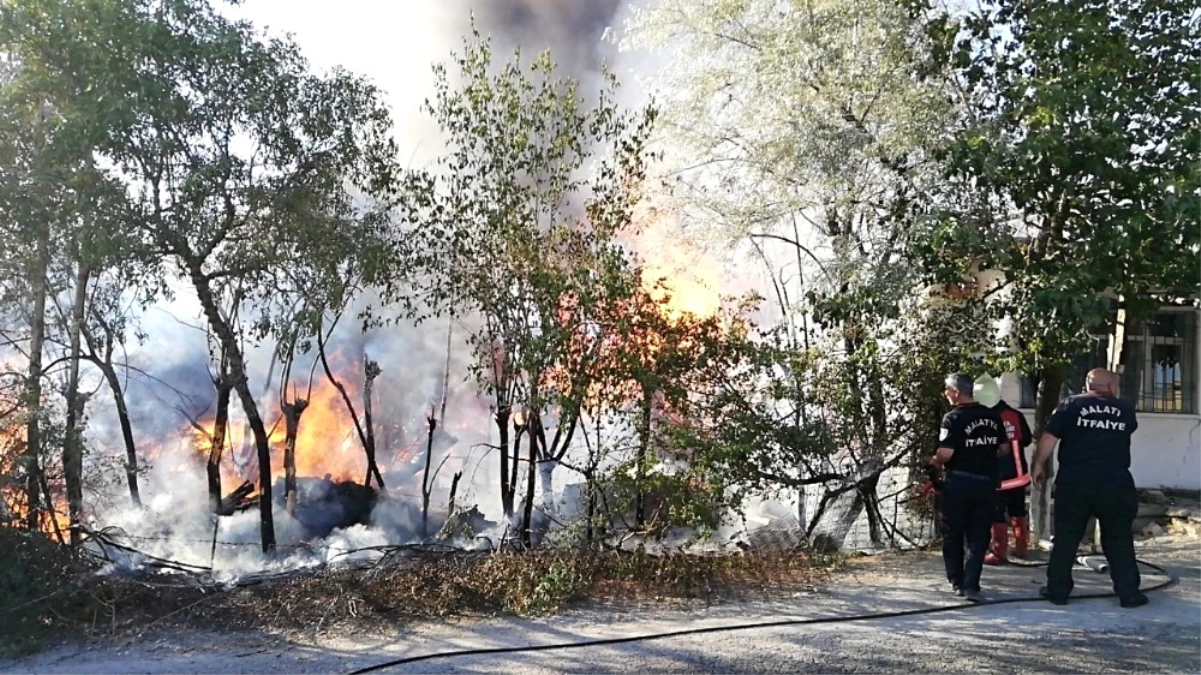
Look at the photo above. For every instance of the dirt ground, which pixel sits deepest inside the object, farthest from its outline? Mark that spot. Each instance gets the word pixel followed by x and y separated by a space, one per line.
pixel 1085 636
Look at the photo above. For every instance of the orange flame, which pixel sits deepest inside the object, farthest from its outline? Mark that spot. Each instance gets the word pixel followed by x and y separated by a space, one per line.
pixel 675 272
pixel 14 502
pixel 680 289
pixel 327 442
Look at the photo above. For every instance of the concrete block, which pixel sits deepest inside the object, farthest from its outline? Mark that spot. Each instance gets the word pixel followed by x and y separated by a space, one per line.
pixel 1146 510
pixel 1152 497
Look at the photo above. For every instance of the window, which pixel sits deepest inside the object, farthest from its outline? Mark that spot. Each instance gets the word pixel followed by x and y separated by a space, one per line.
pixel 1158 368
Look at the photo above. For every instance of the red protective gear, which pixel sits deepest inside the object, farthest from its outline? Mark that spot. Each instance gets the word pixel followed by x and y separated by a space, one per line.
pixel 999 553
pixel 1021 536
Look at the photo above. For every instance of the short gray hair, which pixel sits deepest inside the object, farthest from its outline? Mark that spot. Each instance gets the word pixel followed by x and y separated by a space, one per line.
pixel 961 383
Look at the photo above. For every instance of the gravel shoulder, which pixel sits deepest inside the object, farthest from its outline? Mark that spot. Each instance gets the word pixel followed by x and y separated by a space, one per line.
pixel 1085 636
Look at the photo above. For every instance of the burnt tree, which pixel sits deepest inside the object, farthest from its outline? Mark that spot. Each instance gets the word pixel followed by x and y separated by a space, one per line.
pixel 427 480
pixel 371 371
pixel 292 410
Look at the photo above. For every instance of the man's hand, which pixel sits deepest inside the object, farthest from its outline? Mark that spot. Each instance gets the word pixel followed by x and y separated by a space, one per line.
pixel 1039 475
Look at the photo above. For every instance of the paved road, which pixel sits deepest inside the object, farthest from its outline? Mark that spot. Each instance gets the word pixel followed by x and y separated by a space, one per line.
pixel 1086 636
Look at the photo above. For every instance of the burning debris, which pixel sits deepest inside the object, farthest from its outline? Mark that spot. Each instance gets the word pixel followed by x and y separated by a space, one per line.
pixel 323 504
pixel 239 500
pixel 466 524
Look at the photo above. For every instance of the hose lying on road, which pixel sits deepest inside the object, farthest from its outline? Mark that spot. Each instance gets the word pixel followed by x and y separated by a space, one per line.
pixel 1170 579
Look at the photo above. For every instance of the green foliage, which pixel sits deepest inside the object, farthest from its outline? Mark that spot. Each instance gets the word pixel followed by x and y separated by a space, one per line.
pixel 33 571
pixel 517 223
pixel 1075 167
pixel 234 159
pixel 674 494
pixel 792 114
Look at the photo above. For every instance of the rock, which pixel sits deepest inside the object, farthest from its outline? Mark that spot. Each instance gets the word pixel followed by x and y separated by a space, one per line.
pixel 1153 530
pixel 1152 510
pixel 1175 512
pixel 781 534
pixel 1153 497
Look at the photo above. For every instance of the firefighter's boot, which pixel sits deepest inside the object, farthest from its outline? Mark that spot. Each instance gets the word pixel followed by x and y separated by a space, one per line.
pixel 999 548
pixel 1021 536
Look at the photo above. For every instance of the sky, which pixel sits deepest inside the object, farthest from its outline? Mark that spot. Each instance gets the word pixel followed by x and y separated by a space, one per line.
pixel 396 42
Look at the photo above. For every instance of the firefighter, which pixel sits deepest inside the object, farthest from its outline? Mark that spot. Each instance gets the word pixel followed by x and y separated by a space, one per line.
pixel 1014 473
pixel 1093 430
pixel 969 441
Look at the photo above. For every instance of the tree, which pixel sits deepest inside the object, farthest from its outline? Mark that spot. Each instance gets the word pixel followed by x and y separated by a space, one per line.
pixel 803 130
pixel 239 162
pixel 292 407
pixel 364 426
pixel 798 125
pixel 516 227
pixel 104 330
pixel 1079 155
pixel 59 214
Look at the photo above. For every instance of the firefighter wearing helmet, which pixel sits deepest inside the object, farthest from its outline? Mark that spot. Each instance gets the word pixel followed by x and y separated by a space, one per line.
pixel 1013 472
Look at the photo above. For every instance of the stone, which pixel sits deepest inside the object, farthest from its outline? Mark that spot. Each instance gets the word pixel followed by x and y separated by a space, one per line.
pixel 1146 510
pixel 1175 512
pixel 1153 530
pixel 1153 497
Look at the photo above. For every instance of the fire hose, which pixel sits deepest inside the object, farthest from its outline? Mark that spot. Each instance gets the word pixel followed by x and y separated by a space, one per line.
pixel 1169 579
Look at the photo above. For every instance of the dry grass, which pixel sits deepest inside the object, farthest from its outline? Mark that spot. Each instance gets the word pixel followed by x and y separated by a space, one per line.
pixel 413 587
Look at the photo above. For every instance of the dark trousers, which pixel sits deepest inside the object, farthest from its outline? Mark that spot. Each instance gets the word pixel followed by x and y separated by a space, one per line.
pixel 1010 504
pixel 1115 508
pixel 968 505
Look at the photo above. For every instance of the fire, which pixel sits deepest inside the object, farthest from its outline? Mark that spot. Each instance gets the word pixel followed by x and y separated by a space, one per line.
pixel 676 273
pixel 14 503
pixel 326 440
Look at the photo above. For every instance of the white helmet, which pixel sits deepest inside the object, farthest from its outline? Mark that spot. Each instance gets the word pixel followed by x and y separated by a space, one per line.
pixel 986 392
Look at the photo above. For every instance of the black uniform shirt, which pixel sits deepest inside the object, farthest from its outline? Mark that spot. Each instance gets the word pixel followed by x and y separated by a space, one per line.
pixel 973 432
pixel 1094 438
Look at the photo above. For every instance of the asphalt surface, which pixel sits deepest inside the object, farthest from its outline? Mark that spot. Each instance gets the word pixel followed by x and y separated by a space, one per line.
pixel 1085 636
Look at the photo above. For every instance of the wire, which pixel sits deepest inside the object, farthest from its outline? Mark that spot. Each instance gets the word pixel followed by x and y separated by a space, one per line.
pixel 1171 579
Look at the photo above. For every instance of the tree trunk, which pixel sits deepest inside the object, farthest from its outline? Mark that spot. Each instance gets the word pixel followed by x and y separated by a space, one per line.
pixel 454 490
pixel 427 481
pixel 1049 386
pixel 237 371
pixel 506 488
pixel 33 383
pixel 590 486
pixel 73 440
pixel 644 439
pixel 527 520
pixel 212 467
pixel 292 412
pixel 131 449
pixel 546 482
pixel 368 443
pixel 371 371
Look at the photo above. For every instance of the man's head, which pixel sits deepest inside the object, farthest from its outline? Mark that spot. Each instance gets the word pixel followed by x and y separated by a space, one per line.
pixel 958 388
pixel 1101 382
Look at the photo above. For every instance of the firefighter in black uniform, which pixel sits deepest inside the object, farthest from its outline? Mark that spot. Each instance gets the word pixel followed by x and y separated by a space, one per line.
pixel 1093 430
pixel 969 442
